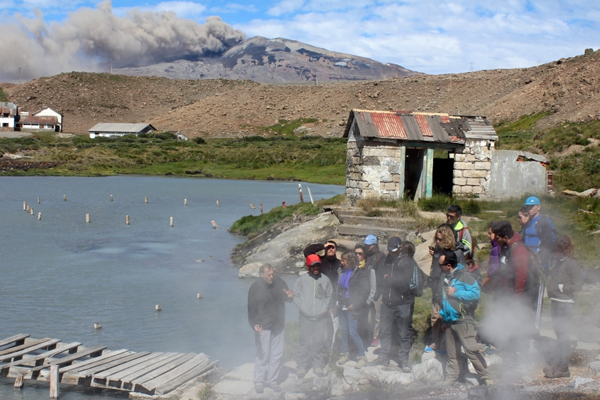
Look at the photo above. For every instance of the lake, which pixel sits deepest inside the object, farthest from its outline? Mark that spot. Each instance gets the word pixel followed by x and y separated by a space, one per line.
pixel 61 275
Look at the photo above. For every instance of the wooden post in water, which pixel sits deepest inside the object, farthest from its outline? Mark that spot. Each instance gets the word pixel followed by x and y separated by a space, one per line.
pixel 171 222
pixel 24 205
pixel 185 202
pixel 217 203
pixel 38 200
pixel 18 382
pixel 31 210
pixel 310 195
pixel 198 296
pixel 40 216
pixel 111 197
pixel 127 219
pixel 54 382
pixel 65 197
pixel 146 199
pixel 261 209
pixel 300 193
pixel 87 218
pixel 27 209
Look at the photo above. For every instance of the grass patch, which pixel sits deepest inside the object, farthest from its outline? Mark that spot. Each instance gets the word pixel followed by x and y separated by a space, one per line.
pixel 251 225
pixel 3 96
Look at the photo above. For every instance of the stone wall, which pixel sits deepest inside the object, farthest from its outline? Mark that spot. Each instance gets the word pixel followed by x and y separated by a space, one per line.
pixel 8 165
pixel 473 169
pixel 372 171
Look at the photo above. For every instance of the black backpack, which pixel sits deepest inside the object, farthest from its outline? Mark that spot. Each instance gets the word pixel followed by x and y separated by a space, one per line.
pixel 535 273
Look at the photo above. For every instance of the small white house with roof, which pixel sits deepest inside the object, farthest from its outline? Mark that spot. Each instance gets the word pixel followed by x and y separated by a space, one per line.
pixel 119 129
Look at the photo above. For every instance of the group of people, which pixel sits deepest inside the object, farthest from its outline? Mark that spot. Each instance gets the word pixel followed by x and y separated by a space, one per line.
pixel 369 296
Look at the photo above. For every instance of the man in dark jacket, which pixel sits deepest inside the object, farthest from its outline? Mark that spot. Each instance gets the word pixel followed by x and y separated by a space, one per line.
pixel 397 276
pixel 266 315
pixel 330 267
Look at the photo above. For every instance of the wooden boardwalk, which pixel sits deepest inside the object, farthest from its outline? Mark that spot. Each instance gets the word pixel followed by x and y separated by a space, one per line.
pixel 150 373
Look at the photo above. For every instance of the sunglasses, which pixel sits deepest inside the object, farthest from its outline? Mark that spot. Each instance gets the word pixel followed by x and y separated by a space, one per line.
pixel 359 253
pixel 437 239
pixel 450 216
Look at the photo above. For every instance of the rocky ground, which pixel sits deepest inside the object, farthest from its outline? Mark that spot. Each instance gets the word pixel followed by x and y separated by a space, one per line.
pixel 568 89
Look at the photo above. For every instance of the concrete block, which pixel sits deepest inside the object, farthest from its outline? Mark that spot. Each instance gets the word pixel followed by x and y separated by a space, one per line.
pixel 365 185
pixel 467 189
pixel 477 190
pixel 464 165
pixel 471 158
pixel 459 181
pixel 370 194
pixel 390 186
pixel 457 189
pixel 396 178
pixel 458 173
pixel 473 181
pixel 475 174
pixel 483 165
pixel 460 157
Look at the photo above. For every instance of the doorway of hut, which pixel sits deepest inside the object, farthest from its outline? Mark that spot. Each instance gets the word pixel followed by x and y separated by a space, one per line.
pixel 413 173
pixel 443 172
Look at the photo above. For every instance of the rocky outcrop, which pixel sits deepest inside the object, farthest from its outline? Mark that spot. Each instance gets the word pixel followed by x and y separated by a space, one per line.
pixel 9 165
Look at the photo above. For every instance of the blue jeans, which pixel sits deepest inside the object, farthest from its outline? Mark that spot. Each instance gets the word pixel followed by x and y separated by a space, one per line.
pixel 399 316
pixel 349 327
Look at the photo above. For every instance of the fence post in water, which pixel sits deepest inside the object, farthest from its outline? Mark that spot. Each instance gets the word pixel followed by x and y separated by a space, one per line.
pixel 185 202
pixel 217 203
pixel 111 197
pixel 300 193
pixel 310 195
pixel 27 208
pixel 65 197
pixel 24 205
pixel 38 200
pixel 198 296
pixel 54 382
pixel 31 210
pixel 18 382
pixel 146 199
pixel 171 222
pixel 40 216
pixel 87 218
pixel 127 219
pixel 261 209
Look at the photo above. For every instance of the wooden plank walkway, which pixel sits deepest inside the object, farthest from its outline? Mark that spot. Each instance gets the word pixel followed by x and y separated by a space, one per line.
pixel 144 372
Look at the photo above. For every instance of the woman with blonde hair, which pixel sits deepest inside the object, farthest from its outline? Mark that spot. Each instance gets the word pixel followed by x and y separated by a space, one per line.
pixel 444 239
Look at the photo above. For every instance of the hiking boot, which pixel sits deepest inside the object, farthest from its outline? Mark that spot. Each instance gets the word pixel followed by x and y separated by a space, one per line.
pixel 301 373
pixel 406 368
pixel 319 372
pixel 343 358
pixel 259 388
pixel 360 362
pixel 381 361
pixel 275 387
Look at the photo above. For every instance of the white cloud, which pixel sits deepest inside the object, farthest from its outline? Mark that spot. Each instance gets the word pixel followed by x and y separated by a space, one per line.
pixel 285 7
pixel 183 9
pixel 234 8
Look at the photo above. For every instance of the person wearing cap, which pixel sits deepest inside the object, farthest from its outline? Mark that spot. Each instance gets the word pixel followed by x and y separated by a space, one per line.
pixel 375 259
pixel 312 297
pixel 266 315
pixel 397 278
pixel 538 232
pixel 331 267
pixel 463 238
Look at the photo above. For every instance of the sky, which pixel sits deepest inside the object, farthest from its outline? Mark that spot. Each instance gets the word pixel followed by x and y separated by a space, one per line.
pixel 424 35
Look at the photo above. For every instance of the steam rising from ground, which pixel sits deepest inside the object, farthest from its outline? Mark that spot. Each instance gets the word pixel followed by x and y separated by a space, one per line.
pixel 91 38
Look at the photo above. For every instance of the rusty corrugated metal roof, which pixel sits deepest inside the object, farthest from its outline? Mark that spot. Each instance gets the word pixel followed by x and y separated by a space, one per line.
pixel 419 126
pixel 39 120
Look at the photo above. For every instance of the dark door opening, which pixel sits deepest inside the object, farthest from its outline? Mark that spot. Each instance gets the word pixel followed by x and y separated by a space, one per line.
pixel 413 170
pixel 443 173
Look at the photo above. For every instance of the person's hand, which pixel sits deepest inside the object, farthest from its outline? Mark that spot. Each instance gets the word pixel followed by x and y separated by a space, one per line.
pixel 257 328
pixel 351 307
pixel 431 251
pixel 331 311
pixel 385 276
pixel 451 291
pixel 289 293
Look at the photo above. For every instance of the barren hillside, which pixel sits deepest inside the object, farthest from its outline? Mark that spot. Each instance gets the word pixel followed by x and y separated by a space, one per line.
pixel 569 88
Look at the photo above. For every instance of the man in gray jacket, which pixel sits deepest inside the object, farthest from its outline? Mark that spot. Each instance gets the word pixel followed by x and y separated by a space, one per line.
pixel 312 296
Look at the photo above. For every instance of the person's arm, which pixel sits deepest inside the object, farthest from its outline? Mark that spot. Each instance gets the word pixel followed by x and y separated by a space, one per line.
pixel 372 286
pixel 520 259
pixel 466 292
pixel 285 289
pixel 252 308
pixel 467 241
pixel 575 283
pixel 298 293
pixel 313 249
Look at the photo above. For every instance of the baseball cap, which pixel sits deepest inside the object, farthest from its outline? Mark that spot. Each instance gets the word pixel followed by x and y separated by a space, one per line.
pixel 532 201
pixel 370 239
pixel 312 259
pixel 394 243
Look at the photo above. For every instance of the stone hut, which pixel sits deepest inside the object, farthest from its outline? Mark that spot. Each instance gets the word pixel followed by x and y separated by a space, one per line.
pixel 401 154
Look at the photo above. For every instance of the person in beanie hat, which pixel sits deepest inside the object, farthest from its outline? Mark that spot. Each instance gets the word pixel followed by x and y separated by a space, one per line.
pixel 312 297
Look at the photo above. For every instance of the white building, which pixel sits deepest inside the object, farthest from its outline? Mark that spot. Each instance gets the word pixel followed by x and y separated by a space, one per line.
pixel 119 129
pixel 46 119
pixel 9 115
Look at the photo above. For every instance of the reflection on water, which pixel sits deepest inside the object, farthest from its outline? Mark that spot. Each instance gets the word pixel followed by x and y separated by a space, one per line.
pixel 60 275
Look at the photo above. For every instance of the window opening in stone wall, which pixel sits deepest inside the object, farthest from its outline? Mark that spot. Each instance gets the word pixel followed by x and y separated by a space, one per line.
pixel 443 172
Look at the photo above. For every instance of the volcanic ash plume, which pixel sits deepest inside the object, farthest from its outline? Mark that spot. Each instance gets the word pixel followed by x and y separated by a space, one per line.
pixel 91 38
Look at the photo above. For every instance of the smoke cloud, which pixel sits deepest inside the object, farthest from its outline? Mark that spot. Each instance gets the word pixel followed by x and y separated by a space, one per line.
pixel 91 38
